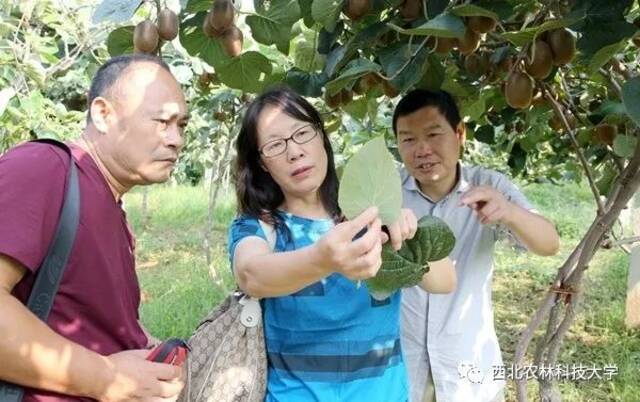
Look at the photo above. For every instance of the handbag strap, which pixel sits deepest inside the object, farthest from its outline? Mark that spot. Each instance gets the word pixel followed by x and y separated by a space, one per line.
pixel 50 272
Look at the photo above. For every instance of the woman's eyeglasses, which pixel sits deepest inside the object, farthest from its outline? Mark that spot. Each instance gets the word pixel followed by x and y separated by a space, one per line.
pixel 278 147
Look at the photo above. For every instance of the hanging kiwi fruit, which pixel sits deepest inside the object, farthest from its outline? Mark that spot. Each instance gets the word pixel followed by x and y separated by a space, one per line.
pixel 411 9
pixel 481 24
pixel 563 46
pixel 356 9
pixel 145 37
pixel 369 81
pixel 473 64
pixel 605 133
pixel 346 96
pixel 444 45
pixel 232 40
pixel 208 28
pixel 518 90
pixel 389 89
pixel 540 62
pixel 222 14
pixel 333 101
pixel 469 42
pixel 167 24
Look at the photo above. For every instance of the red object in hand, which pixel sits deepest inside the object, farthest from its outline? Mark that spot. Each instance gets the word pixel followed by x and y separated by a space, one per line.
pixel 172 351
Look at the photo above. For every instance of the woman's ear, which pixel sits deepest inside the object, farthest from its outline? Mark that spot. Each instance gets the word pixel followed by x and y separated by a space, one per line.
pixel 263 166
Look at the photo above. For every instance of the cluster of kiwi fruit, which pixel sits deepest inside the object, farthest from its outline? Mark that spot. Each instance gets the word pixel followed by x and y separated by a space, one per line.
pixel 219 25
pixel 552 48
pixel 147 35
pixel 365 84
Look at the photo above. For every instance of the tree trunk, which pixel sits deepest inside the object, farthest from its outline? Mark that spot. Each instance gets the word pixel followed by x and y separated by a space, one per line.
pixel 561 301
pixel 214 188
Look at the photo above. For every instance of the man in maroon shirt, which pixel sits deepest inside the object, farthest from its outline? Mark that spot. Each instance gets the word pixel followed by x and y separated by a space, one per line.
pixel 92 346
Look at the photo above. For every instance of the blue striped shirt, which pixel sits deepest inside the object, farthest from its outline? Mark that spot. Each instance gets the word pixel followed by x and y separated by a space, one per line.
pixel 330 341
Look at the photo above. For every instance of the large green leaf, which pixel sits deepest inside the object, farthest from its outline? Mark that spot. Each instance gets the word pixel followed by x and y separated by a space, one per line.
pixel 624 145
pixel 433 241
pixel 306 57
pixel 631 98
pixel 273 21
pixel 474 108
pixel 326 12
pixel 603 56
pixel 357 108
pixel 250 72
pixel 470 10
pixel 400 56
pixel 306 84
pixel 120 41
pixel 116 11
pixel 434 74
pixel 197 44
pixel 444 25
pixel 603 24
pixel 355 69
pixel 524 36
pixel 371 178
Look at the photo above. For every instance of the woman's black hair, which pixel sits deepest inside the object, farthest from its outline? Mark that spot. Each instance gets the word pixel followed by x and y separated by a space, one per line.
pixel 257 193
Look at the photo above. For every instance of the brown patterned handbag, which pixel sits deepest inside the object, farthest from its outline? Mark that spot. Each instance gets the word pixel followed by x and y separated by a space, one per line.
pixel 227 361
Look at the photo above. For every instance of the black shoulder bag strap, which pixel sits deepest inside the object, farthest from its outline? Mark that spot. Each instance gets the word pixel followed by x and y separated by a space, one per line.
pixel 50 272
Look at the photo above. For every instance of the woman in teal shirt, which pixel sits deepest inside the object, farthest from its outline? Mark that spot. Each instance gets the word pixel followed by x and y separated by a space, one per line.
pixel 327 339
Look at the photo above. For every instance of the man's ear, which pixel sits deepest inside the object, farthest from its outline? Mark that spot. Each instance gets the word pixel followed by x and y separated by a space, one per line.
pixel 101 114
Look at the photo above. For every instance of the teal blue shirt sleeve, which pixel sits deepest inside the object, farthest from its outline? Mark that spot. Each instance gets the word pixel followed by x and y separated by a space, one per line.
pixel 241 228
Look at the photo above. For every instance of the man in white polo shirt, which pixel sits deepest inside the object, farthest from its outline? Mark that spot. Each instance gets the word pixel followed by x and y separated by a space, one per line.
pixel 449 341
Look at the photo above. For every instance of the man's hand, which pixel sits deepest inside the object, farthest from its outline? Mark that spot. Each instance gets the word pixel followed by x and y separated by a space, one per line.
pixel 130 377
pixel 402 229
pixel 490 205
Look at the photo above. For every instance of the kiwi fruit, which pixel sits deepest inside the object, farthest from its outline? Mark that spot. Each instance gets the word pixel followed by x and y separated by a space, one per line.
pixel 605 133
pixel 473 65
pixel 222 15
pixel 556 123
pixel 346 97
pixel 538 99
pixel 369 81
pixel 220 115
pixel 208 28
pixel 356 9
pixel 469 42
pixel 480 24
pixel 506 64
pixel 232 41
pixel 518 90
pixel 204 79
pixel 411 9
pixel 145 37
pixel 389 89
pixel 167 24
pixel 563 46
pixel 540 60
pixel 333 101
pixel 444 45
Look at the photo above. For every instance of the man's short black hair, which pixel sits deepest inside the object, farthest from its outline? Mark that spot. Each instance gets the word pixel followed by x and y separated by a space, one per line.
pixel 420 98
pixel 113 69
